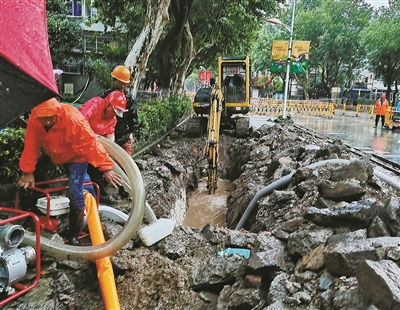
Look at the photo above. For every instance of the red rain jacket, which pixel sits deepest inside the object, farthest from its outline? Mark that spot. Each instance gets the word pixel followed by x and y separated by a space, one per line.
pixel 94 110
pixel 381 108
pixel 70 140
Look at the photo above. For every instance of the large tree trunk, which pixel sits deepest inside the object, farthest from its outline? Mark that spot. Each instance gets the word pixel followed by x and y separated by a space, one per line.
pixel 188 55
pixel 174 46
pixel 155 21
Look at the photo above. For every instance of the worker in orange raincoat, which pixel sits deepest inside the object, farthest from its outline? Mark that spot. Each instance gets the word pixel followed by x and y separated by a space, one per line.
pixel 101 113
pixel 381 106
pixel 62 132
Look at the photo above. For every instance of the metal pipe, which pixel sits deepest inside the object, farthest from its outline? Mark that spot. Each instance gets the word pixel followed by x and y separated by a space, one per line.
pixel 64 251
pixel 289 60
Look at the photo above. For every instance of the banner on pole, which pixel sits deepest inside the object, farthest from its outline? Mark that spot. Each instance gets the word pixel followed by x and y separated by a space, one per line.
pixel 299 60
pixel 280 50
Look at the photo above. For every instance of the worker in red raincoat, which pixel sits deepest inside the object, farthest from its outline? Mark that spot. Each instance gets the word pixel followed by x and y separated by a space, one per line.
pixel 61 132
pixel 101 113
pixel 381 106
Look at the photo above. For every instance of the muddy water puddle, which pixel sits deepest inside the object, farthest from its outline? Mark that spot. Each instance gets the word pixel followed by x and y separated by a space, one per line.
pixel 207 209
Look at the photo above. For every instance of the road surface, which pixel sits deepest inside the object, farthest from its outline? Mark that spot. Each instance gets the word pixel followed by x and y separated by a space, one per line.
pixel 356 131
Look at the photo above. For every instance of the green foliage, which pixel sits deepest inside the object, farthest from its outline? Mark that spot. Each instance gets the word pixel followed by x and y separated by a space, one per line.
pixel 65 34
pixel 334 29
pixel 157 117
pixel 382 41
pixel 198 32
pixel 262 46
pixel 227 27
pixel 101 72
pixel 277 83
pixel 130 15
pixel 11 145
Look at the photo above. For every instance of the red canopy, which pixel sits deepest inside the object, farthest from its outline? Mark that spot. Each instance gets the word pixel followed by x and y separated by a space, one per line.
pixel 26 76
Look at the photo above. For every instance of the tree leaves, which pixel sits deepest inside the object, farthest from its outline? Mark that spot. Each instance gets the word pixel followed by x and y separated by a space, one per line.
pixel 382 41
pixel 65 34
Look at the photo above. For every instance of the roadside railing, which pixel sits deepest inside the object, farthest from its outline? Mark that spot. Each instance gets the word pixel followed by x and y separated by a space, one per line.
pixel 316 107
pixel 269 106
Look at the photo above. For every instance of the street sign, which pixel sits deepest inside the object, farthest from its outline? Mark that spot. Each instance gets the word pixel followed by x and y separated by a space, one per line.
pixel 205 76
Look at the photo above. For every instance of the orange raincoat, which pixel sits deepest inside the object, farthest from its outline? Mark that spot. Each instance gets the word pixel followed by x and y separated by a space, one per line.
pixel 70 140
pixel 381 108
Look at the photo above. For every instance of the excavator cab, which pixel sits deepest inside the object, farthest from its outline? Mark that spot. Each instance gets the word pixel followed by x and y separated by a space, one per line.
pixel 234 81
pixel 234 88
pixel 234 85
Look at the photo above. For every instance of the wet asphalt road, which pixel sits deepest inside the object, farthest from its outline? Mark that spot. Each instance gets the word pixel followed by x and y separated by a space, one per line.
pixel 355 131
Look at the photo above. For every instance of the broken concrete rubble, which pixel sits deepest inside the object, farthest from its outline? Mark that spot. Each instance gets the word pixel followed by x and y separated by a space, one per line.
pixel 358 213
pixel 385 275
pixel 297 262
pixel 343 258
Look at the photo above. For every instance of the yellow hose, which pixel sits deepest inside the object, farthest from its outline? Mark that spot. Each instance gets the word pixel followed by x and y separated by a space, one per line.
pixel 64 251
pixel 105 272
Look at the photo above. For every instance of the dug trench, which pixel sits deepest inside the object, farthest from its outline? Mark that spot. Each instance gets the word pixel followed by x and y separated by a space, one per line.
pixel 328 239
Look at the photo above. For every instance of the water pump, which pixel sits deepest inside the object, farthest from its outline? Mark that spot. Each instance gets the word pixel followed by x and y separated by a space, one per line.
pixel 13 260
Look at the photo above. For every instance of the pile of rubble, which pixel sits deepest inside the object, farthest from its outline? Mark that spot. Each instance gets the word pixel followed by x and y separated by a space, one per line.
pixel 329 239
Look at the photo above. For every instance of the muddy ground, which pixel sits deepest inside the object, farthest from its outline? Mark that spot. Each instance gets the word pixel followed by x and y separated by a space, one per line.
pixel 328 239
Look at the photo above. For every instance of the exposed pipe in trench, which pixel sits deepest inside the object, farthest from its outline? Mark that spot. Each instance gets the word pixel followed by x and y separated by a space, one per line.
pixel 64 251
pixel 286 179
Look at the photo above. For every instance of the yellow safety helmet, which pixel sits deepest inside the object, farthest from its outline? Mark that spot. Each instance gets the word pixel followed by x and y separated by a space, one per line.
pixel 121 73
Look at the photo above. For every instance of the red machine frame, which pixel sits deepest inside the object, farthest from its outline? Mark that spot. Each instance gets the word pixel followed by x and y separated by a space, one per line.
pixel 21 215
pixel 46 222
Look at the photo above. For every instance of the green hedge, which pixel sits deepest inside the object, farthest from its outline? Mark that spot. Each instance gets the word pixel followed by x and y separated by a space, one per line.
pixel 155 118
pixel 11 145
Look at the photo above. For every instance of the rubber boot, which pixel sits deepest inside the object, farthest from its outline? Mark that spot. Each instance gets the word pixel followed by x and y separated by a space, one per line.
pixel 75 224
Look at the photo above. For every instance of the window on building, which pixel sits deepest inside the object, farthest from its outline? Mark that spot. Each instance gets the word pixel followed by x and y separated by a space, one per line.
pixel 90 10
pixel 75 8
pixel 82 8
pixel 94 43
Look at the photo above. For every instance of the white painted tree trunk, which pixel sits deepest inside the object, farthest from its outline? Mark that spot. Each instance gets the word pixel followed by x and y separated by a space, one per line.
pixel 155 21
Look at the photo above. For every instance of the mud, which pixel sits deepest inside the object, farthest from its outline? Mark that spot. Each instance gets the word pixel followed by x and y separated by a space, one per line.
pixel 296 235
pixel 203 208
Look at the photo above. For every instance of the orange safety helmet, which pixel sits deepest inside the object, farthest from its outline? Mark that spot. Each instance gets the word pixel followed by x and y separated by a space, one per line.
pixel 118 101
pixel 121 73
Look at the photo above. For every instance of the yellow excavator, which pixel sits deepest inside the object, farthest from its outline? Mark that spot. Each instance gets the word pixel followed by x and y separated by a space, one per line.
pixel 222 107
pixel 234 83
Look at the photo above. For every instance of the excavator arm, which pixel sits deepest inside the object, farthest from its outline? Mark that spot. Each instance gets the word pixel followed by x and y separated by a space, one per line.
pixel 214 122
